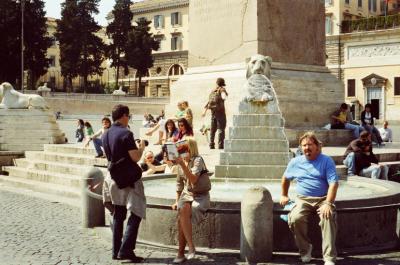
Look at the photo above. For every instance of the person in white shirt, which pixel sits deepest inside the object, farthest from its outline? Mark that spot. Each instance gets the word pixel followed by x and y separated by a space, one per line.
pixel 386 133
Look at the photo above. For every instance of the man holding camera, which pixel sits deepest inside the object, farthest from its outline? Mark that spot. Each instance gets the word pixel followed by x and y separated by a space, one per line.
pixel 120 143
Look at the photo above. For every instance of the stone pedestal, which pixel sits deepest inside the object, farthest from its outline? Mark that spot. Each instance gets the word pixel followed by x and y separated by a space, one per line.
pixel 257 147
pixel 28 129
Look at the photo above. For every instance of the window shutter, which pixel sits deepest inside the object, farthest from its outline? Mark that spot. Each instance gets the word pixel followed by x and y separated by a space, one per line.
pixel 397 86
pixel 161 21
pixel 351 87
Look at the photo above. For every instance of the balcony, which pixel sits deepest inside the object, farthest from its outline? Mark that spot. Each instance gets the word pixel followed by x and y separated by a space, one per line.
pixel 370 24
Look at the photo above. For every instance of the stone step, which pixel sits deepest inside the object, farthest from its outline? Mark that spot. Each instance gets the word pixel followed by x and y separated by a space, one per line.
pixel 255 158
pixel 27 119
pixel 70 149
pixel 50 188
pixel 249 171
pixel 256 132
pixel 37 140
pixel 43 176
pixel 22 147
pixel 382 157
pixel 394 167
pixel 25 112
pixel 256 145
pixel 29 125
pixel 269 120
pixel 327 137
pixel 31 133
pixel 76 159
pixel 48 166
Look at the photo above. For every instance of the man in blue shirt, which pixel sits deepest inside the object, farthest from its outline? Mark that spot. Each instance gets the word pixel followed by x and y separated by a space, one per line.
pixel 317 184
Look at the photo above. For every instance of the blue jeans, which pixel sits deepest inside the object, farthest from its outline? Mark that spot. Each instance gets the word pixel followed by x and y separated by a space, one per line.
pixel 374 132
pixel 354 128
pixel 97 145
pixel 126 245
pixel 349 163
pixel 375 172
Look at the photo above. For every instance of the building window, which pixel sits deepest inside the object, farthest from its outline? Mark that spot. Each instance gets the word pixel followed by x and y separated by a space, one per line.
pixel 160 39
pixel 159 90
pixel 347 2
pixel 176 69
pixel 175 19
pixel 176 42
pixel 52 62
pixel 351 87
pixel 159 21
pixel 53 41
pixel 397 86
pixel 328 25
pixel 360 3
pixel 328 2
pixel 372 5
pixel 158 70
pixel 142 19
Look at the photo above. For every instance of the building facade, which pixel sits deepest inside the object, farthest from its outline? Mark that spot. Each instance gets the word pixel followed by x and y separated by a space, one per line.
pixel 170 25
pixel 363 51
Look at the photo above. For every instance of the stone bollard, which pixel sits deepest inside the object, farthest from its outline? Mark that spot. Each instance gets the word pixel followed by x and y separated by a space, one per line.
pixel 92 202
pixel 256 232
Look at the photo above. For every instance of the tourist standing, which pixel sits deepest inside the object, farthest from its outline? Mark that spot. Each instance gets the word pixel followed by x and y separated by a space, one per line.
pixel 367 122
pixel 79 134
pixel 96 138
pixel 317 184
pixel 120 143
pixel 216 105
pixel 193 198
pixel 386 132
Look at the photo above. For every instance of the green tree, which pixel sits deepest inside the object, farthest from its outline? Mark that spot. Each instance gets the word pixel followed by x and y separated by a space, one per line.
pixel 141 43
pixel 118 31
pixel 36 40
pixel 81 50
pixel 66 35
pixel 10 48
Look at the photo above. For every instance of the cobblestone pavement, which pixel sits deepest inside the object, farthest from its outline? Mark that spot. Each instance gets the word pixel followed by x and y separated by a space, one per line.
pixel 40 232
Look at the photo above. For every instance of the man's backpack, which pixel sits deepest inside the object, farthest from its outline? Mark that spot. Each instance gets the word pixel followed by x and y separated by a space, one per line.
pixel 215 100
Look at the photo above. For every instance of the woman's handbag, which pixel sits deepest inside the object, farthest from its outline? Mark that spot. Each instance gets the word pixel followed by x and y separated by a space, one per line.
pixel 203 184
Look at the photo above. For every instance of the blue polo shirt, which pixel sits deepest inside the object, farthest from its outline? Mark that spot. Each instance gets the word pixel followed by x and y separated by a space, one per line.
pixel 313 176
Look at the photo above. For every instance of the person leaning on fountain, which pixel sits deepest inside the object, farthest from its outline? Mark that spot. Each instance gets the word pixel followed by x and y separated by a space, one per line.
pixel 317 184
pixel 193 198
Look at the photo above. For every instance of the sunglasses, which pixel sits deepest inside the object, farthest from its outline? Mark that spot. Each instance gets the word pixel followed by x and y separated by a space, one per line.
pixel 181 125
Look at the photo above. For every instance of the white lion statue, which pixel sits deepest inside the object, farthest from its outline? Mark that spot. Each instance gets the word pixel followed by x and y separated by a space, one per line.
pixel 119 92
pixel 13 99
pixel 258 85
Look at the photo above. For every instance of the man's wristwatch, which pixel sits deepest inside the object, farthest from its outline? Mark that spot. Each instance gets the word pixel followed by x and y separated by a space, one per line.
pixel 330 204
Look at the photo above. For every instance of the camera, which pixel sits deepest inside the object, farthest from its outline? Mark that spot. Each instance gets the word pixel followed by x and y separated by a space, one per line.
pixel 146 143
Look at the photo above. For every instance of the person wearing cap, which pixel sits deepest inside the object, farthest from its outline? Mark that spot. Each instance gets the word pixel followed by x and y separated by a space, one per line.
pixel 317 185
pixel 216 105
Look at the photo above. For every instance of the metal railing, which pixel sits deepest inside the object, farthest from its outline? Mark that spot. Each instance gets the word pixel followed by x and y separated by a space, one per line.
pixel 371 23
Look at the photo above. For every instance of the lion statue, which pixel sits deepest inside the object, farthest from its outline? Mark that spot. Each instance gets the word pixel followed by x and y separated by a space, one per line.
pixel 119 91
pixel 13 99
pixel 258 85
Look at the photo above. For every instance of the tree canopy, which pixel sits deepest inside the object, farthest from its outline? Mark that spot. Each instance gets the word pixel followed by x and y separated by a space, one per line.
pixel 36 40
pixel 118 31
pixel 141 43
pixel 81 50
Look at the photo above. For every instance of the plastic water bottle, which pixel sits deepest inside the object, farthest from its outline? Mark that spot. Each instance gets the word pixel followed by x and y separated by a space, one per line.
pixel 289 206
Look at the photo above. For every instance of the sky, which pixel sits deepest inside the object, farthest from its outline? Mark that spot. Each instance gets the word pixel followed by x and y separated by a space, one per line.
pixel 53 9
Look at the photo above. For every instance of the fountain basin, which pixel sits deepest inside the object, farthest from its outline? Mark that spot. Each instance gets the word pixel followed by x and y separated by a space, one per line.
pixel 359 229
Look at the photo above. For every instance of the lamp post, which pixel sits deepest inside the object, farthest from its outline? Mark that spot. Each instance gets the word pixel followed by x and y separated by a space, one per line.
pixel 22 2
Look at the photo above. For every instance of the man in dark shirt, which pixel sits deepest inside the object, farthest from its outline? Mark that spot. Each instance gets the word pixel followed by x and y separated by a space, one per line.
pixel 119 143
pixel 356 146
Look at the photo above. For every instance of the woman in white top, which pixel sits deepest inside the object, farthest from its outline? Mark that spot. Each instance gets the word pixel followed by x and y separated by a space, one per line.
pixel 367 122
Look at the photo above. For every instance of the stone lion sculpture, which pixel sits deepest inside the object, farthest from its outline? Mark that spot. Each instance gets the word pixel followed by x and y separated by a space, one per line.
pixel 119 92
pixel 13 99
pixel 258 87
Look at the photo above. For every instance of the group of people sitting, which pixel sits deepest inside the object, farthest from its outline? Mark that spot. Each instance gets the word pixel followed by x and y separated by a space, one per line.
pixel 342 119
pixel 85 133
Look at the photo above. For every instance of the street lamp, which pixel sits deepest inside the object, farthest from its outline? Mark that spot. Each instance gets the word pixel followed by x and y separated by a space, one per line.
pixel 22 2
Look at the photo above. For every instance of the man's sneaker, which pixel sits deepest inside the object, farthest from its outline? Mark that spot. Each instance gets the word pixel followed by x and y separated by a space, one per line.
pixel 329 262
pixel 307 257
